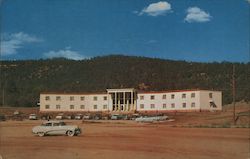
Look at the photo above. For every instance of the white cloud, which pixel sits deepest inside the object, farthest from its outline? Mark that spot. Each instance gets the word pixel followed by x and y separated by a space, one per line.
pixel 66 53
pixel 195 14
pixel 248 1
pixel 10 43
pixel 156 9
pixel 151 41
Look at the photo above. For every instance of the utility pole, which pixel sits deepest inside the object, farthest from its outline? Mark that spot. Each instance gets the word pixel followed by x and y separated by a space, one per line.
pixel 3 98
pixel 233 89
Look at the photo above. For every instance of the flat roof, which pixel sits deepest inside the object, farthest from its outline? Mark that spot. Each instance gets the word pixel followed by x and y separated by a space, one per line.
pixel 121 90
pixel 125 90
pixel 75 93
pixel 173 91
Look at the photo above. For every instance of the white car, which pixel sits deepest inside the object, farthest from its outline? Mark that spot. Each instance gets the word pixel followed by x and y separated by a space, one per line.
pixel 86 117
pixel 151 119
pixel 56 128
pixel 59 116
pixel 78 116
pixel 32 117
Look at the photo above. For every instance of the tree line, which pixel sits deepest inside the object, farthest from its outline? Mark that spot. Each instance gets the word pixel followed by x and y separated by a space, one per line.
pixel 23 81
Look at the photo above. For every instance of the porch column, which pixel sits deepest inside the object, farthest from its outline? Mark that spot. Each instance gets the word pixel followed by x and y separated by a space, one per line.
pixel 115 101
pixel 108 100
pixel 132 100
pixel 124 105
pixel 119 102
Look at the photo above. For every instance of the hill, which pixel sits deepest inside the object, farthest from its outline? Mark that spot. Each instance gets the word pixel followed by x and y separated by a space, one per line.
pixel 22 81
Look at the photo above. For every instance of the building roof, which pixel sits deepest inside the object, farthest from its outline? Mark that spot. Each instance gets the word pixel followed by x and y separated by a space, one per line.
pixel 173 91
pixel 75 93
pixel 125 89
pixel 121 90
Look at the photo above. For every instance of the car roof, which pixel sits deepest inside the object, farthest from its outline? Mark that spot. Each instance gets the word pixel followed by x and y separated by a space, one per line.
pixel 53 121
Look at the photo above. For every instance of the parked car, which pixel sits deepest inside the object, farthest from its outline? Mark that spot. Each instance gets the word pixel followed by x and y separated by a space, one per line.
pixel 134 116
pixel 86 117
pixel 97 117
pixel 116 117
pixel 56 128
pixel 32 117
pixel 2 117
pixel 46 117
pixel 18 116
pixel 16 112
pixel 59 116
pixel 151 118
pixel 78 116
pixel 68 117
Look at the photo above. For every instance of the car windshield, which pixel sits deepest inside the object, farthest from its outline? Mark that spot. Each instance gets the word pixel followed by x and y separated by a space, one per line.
pixel 46 124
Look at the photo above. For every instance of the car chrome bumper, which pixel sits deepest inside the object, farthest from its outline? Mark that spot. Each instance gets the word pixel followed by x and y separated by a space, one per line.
pixel 78 131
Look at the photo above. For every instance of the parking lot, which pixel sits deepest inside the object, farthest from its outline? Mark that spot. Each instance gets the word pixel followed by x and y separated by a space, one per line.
pixel 123 139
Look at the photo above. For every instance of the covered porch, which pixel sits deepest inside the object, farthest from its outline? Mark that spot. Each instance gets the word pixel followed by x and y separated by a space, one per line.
pixel 121 100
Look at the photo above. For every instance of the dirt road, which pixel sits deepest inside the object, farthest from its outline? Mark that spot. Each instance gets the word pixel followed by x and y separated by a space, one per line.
pixel 127 139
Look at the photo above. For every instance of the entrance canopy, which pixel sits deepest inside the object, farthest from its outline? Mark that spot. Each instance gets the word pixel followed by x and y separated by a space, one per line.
pixel 122 99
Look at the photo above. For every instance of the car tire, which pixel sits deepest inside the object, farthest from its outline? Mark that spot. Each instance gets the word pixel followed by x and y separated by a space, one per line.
pixel 41 134
pixel 70 133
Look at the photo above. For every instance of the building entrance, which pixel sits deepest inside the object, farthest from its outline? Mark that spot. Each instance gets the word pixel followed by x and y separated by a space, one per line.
pixel 122 99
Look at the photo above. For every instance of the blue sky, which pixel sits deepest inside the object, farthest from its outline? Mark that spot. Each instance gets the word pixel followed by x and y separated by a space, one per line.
pixel 192 30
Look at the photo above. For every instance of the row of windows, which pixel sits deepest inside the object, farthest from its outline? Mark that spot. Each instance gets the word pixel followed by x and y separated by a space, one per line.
pixel 164 96
pixel 72 98
pixel 73 107
pixel 152 97
pixel 164 106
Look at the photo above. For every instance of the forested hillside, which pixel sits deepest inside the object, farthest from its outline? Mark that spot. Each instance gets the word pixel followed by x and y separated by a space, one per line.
pixel 22 81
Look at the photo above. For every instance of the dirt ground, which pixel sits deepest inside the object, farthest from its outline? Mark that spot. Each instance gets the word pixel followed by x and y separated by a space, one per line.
pixel 123 140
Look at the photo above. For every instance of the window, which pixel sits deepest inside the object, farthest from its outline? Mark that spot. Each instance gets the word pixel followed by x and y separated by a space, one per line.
pixel 95 107
pixel 105 98
pixel 48 124
pixel 71 98
pixel 164 106
pixel 152 97
pixel 152 106
pixel 164 96
pixel 58 106
pixel 56 124
pixel 210 95
pixel 141 97
pixel 105 106
pixel 184 105
pixel 71 106
pixel 82 106
pixel 95 98
pixel 46 106
pixel 172 96
pixel 192 95
pixel 82 98
pixel 142 106
pixel 183 95
pixel 47 98
pixel 58 98
pixel 172 105
pixel 192 105
pixel 62 123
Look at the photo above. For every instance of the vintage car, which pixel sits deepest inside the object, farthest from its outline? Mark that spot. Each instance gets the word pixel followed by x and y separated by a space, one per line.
pixel 59 116
pixel 78 116
pixel 32 117
pixel 56 128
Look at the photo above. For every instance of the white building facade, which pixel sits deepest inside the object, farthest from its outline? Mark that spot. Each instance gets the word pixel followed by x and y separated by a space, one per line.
pixel 129 100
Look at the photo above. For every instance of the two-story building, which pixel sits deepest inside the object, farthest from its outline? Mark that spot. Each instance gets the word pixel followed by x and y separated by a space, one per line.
pixel 131 100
